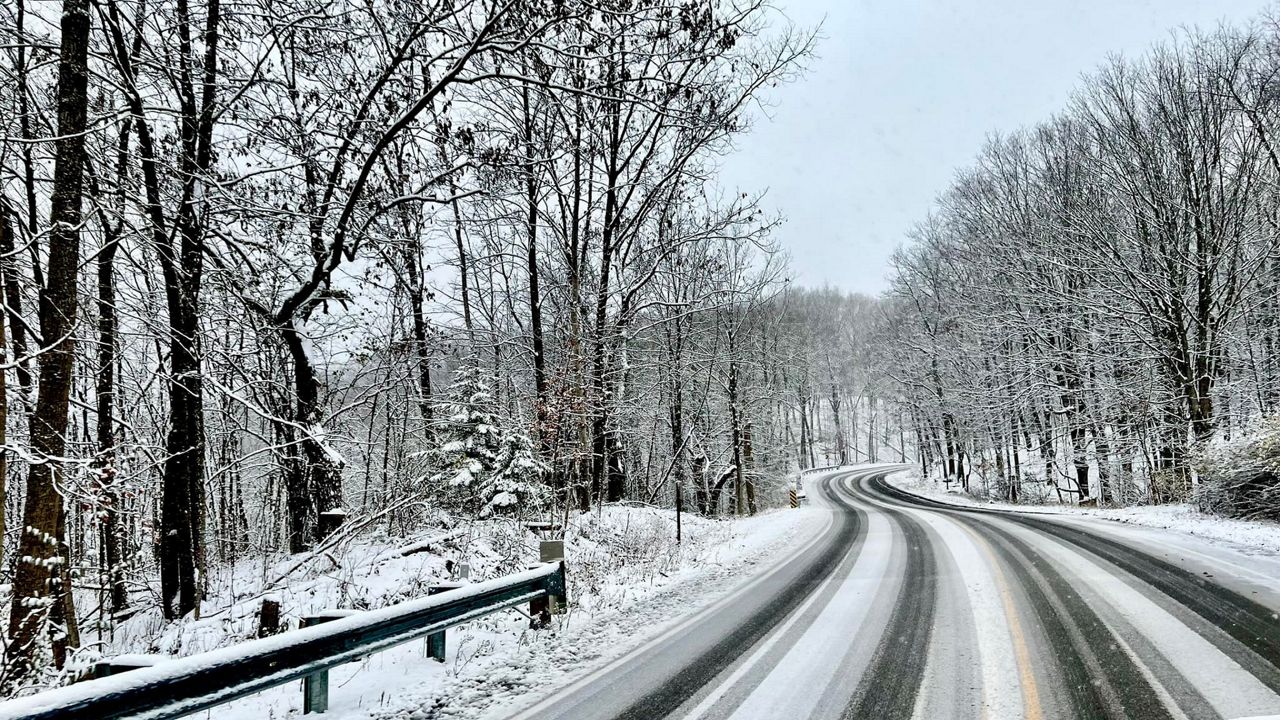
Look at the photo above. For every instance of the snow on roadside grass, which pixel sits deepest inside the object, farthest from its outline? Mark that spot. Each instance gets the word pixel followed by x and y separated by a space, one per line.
pixel 1182 518
pixel 631 586
pixel 628 581
pixel 367 573
pixel 609 629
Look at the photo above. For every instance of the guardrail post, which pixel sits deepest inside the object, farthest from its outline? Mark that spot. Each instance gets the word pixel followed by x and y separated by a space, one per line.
pixel 543 607
pixel 554 601
pixel 435 646
pixel 435 641
pixel 315 687
pixel 558 586
pixel 315 692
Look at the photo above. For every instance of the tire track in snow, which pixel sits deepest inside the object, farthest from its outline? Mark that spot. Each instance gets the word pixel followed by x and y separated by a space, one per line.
pixel 1101 678
pixel 1072 623
pixel 890 684
pixel 1254 628
pixel 1203 681
pixel 1156 636
pixel 820 650
pixel 997 645
pixel 1245 630
pixel 700 671
pixel 1095 675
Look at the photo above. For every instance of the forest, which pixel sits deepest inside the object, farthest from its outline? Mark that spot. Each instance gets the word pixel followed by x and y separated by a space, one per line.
pixel 1089 314
pixel 280 272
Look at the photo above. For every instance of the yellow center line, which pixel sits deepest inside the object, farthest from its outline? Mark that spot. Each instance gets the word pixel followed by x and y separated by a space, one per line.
pixel 1026 677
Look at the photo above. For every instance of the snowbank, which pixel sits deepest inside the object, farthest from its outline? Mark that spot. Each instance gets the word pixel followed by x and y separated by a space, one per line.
pixel 628 581
pixel 1181 518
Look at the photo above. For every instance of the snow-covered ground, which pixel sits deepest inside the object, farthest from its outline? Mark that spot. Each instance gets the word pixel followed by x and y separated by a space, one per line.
pixel 628 581
pixel 1179 518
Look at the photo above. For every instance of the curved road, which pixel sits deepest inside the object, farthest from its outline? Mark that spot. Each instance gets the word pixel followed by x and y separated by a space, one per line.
pixel 901 607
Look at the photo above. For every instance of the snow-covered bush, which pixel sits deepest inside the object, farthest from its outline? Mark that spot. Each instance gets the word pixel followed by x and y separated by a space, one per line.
pixel 1241 477
pixel 480 463
pixel 616 547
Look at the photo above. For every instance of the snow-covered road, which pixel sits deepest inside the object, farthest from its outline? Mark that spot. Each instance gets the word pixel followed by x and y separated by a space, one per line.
pixel 907 607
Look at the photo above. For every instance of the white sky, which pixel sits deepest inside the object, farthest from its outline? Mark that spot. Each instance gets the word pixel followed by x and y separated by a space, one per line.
pixel 904 92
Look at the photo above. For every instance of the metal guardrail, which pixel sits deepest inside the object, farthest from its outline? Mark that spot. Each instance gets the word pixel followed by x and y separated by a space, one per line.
pixel 825 468
pixel 852 466
pixel 797 494
pixel 198 682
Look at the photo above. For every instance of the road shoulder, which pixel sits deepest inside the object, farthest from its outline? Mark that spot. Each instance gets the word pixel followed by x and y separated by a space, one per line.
pixel 1241 555
pixel 498 671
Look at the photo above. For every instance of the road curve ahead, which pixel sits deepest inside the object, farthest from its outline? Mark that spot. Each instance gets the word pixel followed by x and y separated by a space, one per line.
pixel 902 607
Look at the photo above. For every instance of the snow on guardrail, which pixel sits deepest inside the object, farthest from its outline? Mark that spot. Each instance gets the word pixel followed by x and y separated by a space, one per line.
pixel 187 685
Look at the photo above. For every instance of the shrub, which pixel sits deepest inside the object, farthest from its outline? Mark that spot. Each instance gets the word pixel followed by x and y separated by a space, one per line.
pixel 1241 478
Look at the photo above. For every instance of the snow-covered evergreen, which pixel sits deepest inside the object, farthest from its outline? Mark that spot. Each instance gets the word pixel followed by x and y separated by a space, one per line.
pixel 480 461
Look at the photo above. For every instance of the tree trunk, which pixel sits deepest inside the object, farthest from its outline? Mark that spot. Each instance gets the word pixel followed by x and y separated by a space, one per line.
pixel 13 298
pixel 12 286
pixel 421 347
pixel 803 459
pixel 6 239
pixel 182 504
pixel 535 297
pixel 922 452
pixel 113 560
pixel 37 588
pixel 872 422
pixel 314 477
pixel 599 358
pixel 463 271
pixel 735 433
pixel 954 465
pixel 717 488
pixel 675 342
pixel 1200 403
pixel 702 491
pixel 1102 445
pixel 749 460
pixel 1080 458
pixel 842 450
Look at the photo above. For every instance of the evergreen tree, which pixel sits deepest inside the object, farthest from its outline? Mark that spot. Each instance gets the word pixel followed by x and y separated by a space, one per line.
pixel 483 464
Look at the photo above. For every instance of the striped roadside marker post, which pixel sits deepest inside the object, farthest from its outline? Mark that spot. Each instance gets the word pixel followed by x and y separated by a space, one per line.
pixel 795 498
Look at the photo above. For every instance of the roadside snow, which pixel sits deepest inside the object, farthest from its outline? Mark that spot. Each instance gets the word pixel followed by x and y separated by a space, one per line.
pixel 628 582
pixel 1179 518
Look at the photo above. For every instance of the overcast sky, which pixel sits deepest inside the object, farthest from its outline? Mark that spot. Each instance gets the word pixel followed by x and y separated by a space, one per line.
pixel 904 92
